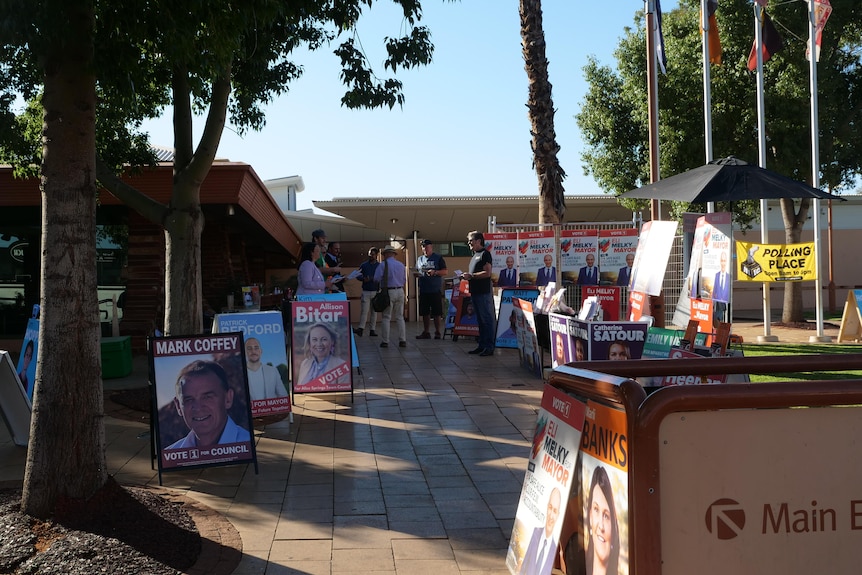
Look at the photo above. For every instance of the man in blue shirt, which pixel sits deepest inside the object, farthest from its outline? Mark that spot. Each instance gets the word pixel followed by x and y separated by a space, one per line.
pixel 430 269
pixel 369 288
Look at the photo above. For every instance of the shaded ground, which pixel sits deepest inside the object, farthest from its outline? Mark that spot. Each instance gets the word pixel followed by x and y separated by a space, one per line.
pixel 119 530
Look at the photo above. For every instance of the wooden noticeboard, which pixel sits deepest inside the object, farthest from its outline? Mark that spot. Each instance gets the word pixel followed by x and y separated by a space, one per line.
pixel 851 319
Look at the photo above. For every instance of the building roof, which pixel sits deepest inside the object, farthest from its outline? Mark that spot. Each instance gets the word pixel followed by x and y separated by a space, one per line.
pixel 450 218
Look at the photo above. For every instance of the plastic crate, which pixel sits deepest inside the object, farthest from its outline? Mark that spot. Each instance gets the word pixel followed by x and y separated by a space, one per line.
pixel 116 356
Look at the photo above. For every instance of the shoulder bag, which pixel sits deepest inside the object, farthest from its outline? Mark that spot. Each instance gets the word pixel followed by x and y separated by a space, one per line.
pixel 380 301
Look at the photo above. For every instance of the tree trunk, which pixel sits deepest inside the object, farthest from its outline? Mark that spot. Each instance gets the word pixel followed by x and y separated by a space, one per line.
pixel 66 454
pixel 552 204
pixel 183 229
pixel 794 220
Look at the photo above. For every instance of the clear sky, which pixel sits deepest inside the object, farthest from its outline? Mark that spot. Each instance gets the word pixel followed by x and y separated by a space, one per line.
pixel 463 129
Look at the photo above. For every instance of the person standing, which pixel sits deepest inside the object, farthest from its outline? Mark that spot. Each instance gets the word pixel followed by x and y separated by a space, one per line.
pixel 318 237
pixel 394 279
pixel 332 257
pixel 481 292
pixel 430 269
pixel 369 288
pixel 310 280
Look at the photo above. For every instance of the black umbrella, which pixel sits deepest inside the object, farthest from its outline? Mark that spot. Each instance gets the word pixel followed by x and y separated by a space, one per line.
pixel 727 180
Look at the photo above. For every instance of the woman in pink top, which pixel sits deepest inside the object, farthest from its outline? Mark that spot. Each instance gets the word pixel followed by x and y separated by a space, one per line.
pixel 310 280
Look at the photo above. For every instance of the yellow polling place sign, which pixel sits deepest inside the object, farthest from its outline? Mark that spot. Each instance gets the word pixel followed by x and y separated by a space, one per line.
pixel 775 262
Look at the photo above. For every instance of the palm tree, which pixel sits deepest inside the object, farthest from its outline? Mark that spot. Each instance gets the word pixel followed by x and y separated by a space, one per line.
pixel 552 205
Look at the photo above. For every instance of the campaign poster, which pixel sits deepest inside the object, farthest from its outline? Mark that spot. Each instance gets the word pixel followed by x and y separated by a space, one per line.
pixel 574 334
pixel 551 473
pixel 653 251
pixel 716 276
pixel 251 297
pixel 618 340
pixel 466 322
pixel 451 310
pixel 608 298
pixel 599 524
pixel 617 250
pixel 338 296
pixel 27 360
pixel 660 341
pixel 529 352
pixel 265 358
pixel 670 380
pixel 507 322
pixel 575 246
pixel 538 257
pixel 562 348
pixel 201 393
pixel 504 251
pixel 321 359
pixel 702 312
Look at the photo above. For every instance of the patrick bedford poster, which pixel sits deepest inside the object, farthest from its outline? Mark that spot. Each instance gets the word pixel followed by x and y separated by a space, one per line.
pixel 265 357
pixel 321 346
pixel 201 391
pixel 550 475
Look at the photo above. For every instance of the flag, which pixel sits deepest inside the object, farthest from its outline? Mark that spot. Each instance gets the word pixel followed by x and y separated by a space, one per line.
pixel 762 2
pixel 712 36
pixel 822 10
pixel 772 43
pixel 659 45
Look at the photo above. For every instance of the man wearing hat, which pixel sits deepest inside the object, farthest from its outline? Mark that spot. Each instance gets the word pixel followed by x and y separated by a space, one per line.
pixel 430 270
pixel 394 281
pixel 369 288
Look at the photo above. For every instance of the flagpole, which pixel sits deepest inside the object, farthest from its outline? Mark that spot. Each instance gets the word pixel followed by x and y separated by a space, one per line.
pixel 707 90
pixel 652 102
pixel 761 156
pixel 815 170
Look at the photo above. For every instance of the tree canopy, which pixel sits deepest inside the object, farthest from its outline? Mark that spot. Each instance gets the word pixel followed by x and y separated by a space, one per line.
pixel 90 73
pixel 614 117
pixel 614 122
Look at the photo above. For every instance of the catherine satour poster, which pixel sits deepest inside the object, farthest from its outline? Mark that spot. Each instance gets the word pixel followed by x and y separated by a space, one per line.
pixel 551 472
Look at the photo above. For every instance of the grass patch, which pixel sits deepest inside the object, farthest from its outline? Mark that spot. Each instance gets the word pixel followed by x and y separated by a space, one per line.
pixel 790 349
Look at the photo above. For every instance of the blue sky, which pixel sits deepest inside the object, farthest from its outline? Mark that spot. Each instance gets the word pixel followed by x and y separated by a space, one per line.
pixel 463 129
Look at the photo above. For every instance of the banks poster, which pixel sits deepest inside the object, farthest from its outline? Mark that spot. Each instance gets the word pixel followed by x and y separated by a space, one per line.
pixel 601 538
pixel 575 248
pixel 551 473
pixel 321 359
pixel 507 322
pixel 201 393
pixel 504 251
pixel 466 322
pixel 265 358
